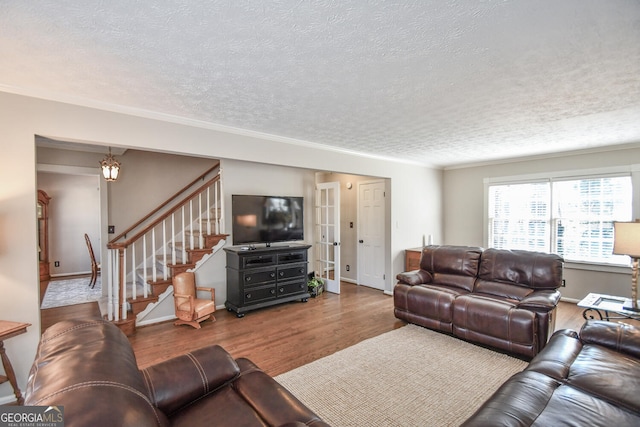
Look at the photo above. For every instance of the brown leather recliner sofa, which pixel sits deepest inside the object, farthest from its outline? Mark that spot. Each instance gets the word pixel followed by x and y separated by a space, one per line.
pixel 500 298
pixel 89 368
pixel 590 378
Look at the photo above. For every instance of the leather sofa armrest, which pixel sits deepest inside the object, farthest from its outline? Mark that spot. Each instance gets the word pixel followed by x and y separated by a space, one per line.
pixel 620 337
pixel 540 301
pixel 275 404
pixel 179 381
pixel 416 277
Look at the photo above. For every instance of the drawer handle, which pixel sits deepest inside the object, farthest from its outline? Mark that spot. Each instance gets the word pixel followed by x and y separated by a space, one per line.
pixel 247 279
pixel 248 296
pixel 301 271
pixel 281 290
pixel 273 291
pixel 282 274
pixel 272 275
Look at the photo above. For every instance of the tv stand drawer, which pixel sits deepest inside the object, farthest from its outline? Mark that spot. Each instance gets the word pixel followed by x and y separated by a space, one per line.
pixel 263 293
pixel 256 277
pixel 291 288
pixel 291 257
pixel 255 261
pixel 298 271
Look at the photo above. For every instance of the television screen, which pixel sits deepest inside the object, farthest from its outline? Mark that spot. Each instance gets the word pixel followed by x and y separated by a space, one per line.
pixel 266 219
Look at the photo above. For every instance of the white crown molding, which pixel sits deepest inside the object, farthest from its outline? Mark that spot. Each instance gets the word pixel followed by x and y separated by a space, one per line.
pixel 560 154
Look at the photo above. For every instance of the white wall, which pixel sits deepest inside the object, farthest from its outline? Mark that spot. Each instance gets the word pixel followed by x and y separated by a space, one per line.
pixel 147 180
pixel 416 191
pixel 74 210
pixel 464 211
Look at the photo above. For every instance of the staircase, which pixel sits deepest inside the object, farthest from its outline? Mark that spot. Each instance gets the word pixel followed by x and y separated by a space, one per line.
pixel 177 236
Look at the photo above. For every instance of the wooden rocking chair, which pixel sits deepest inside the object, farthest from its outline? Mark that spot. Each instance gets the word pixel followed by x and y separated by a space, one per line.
pixel 191 310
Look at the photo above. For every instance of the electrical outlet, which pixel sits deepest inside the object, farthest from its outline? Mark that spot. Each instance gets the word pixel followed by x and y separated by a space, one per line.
pixel 56 264
pixel 111 229
pixel 348 268
pixel 564 283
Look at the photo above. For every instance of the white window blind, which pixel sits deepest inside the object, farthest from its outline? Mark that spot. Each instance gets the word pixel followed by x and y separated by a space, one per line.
pixel 520 216
pixel 584 211
pixel 571 217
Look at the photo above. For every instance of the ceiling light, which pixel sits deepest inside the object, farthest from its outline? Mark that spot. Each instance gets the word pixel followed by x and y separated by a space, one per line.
pixel 110 167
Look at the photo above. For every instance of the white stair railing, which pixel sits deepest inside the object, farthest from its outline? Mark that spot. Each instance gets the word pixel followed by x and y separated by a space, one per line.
pixel 130 277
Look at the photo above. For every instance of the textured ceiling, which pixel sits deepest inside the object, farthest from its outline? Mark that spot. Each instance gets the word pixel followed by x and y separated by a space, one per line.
pixel 438 82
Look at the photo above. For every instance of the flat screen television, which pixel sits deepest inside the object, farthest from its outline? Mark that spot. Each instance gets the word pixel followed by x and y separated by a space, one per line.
pixel 266 219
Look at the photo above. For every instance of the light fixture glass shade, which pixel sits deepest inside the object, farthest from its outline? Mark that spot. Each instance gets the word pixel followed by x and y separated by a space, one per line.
pixel 626 239
pixel 110 167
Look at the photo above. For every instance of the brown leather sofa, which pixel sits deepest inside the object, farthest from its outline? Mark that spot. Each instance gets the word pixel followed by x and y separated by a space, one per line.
pixel 89 368
pixel 500 298
pixel 590 378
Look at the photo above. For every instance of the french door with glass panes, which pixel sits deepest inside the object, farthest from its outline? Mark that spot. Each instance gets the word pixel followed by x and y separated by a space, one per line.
pixel 327 235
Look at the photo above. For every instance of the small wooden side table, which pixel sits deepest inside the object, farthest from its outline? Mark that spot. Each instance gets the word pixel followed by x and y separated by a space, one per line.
pixel 8 330
pixel 412 259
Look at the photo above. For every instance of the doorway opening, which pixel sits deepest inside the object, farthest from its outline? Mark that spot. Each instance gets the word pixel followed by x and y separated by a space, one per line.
pixel 362 232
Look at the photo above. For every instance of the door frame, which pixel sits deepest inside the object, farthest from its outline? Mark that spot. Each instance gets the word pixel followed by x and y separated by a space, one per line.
pixel 386 232
pixel 104 200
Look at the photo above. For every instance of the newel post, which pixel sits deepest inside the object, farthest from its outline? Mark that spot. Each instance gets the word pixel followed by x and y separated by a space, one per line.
pixel 128 326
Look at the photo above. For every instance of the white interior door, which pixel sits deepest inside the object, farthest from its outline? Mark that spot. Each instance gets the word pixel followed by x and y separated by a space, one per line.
pixel 327 235
pixel 371 234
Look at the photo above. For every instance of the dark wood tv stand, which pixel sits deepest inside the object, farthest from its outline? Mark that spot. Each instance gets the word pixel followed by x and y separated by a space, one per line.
pixel 265 276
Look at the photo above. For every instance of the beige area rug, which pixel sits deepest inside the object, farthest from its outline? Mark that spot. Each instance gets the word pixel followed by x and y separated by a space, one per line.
pixel 411 376
pixel 71 291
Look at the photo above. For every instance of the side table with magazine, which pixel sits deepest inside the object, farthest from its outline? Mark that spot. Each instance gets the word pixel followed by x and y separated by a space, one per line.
pixel 606 307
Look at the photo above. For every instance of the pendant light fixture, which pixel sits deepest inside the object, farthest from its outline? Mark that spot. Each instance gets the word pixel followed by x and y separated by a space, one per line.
pixel 110 167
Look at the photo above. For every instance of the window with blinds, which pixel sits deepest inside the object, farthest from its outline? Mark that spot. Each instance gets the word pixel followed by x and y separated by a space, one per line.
pixel 520 216
pixel 571 217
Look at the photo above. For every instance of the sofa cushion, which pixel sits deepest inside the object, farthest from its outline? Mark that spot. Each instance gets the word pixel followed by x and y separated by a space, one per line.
pixel 585 363
pixel 616 336
pixel 496 322
pixel 572 381
pixel 224 405
pixel 534 270
pixel 607 374
pixel 252 399
pixel 533 399
pixel 430 306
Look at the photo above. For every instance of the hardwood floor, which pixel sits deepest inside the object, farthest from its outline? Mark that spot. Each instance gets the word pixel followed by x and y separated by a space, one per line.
pixel 284 337
pixel 50 316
